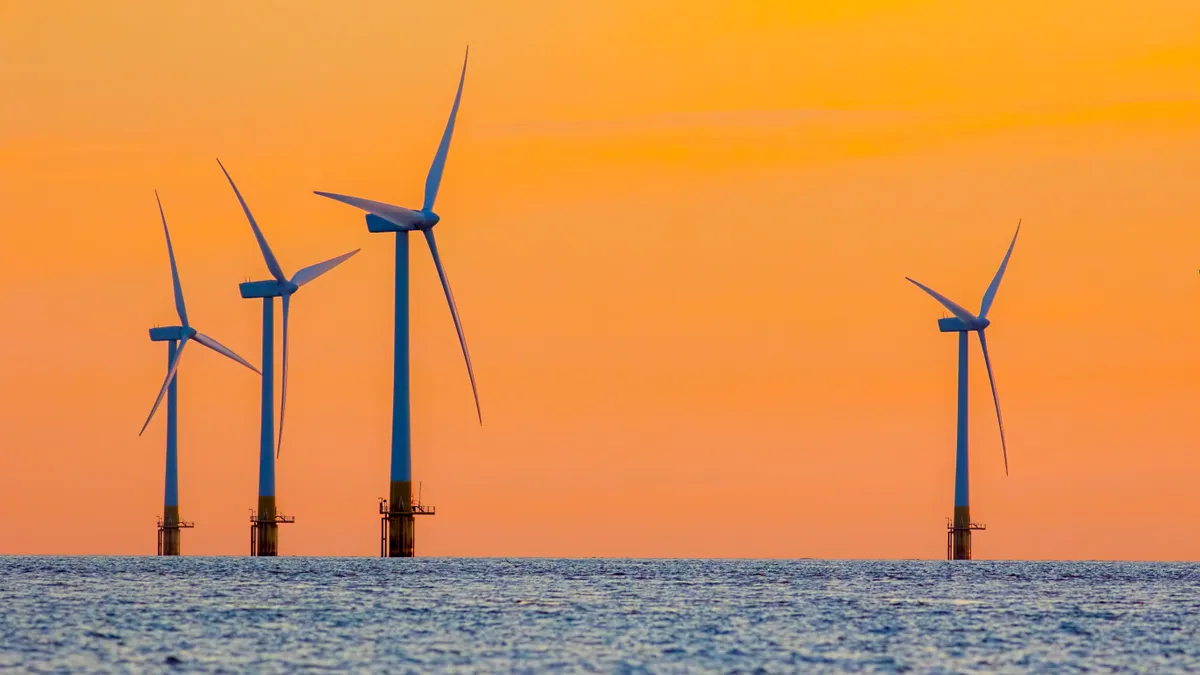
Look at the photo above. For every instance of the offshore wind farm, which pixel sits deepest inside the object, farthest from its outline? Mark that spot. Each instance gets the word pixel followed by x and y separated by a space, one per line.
pixel 399 509
pixel 691 255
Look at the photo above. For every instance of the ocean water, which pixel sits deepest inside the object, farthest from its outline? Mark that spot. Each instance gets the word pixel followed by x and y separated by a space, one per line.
pixel 285 615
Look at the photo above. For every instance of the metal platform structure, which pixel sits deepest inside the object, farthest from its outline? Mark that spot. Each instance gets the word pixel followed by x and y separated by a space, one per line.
pixel 400 523
pixel 168 535
pixel 961 533
pixel 264 540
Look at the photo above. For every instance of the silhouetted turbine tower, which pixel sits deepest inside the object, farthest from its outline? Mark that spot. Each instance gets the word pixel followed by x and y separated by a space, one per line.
pixel 264 531
pixel 958 536
pixel 176 337
pixel 399 510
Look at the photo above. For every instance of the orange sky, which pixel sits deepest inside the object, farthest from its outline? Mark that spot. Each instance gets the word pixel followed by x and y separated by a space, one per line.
pixel 677 233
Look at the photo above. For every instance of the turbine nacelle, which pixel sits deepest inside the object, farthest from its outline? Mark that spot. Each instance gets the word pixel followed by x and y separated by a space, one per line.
pixel 168 333
pixel 954 324
pixel 269 288
pixel 414 221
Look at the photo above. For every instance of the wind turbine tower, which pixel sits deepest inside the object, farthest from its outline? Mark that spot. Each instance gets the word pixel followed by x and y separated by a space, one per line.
pixel 397 513
pixel 264 523
pixel 176 337
pixel 958 531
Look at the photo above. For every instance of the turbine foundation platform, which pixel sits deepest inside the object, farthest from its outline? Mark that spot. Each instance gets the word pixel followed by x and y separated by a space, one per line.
pixel 168 531
pixel 958 534
pixel 397 531
pixel 264 528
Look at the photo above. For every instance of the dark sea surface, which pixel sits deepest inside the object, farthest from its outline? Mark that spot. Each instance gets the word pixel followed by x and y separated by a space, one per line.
pixel 284 615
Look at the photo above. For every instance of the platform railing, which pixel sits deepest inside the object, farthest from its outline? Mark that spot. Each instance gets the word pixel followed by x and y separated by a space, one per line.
pixel 163 528
pixel 951 530
pixel 256 522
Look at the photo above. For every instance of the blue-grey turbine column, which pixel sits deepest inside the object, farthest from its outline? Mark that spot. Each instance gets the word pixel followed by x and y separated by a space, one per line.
pixel 170 544
pixel 962 503
pixel 168 530
pixel 266 530
pixel 265 524
pixel 401 531
pixel 960 546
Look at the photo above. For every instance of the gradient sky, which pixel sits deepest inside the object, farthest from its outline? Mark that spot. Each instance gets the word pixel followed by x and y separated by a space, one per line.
pixel 677 231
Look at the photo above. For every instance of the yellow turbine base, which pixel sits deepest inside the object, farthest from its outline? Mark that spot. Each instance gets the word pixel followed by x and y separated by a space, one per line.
pixel 401 529
pixel 170 530
pixel 962 533
pixel 265 539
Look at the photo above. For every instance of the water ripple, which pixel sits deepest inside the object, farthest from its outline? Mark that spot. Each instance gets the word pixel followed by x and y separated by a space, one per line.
pixel 109 614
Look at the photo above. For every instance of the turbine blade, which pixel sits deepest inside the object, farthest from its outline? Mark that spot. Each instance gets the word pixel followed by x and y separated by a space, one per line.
pixel 313 271
pixel 434 179
pixel 180 309
pixel 956 309
pixel 990 295
pixel 397 215
pixel 287 301
pixel 166 383
pixel 995 397
pixel 222 349
pixel 462 340
pixel 268 256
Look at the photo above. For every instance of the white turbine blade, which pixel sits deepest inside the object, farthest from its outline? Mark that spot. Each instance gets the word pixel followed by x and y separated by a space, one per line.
pixel 180 309
pixel 397 215
pixel 462 340
pixel 990 295
pixel 174 367
pixel 434 179
pixel 956 309
pixel 223 350
pixel 287 301
pixel 268 256
pixel 313 271
pixel 995 398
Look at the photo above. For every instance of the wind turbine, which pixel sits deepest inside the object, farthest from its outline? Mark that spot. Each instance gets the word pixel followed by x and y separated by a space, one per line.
pixel 177 338
pixel 964 322
pixel 397 521
pixel 264 539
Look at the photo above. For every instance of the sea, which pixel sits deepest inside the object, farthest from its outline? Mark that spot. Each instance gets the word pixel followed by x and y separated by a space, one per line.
pixel 430 615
